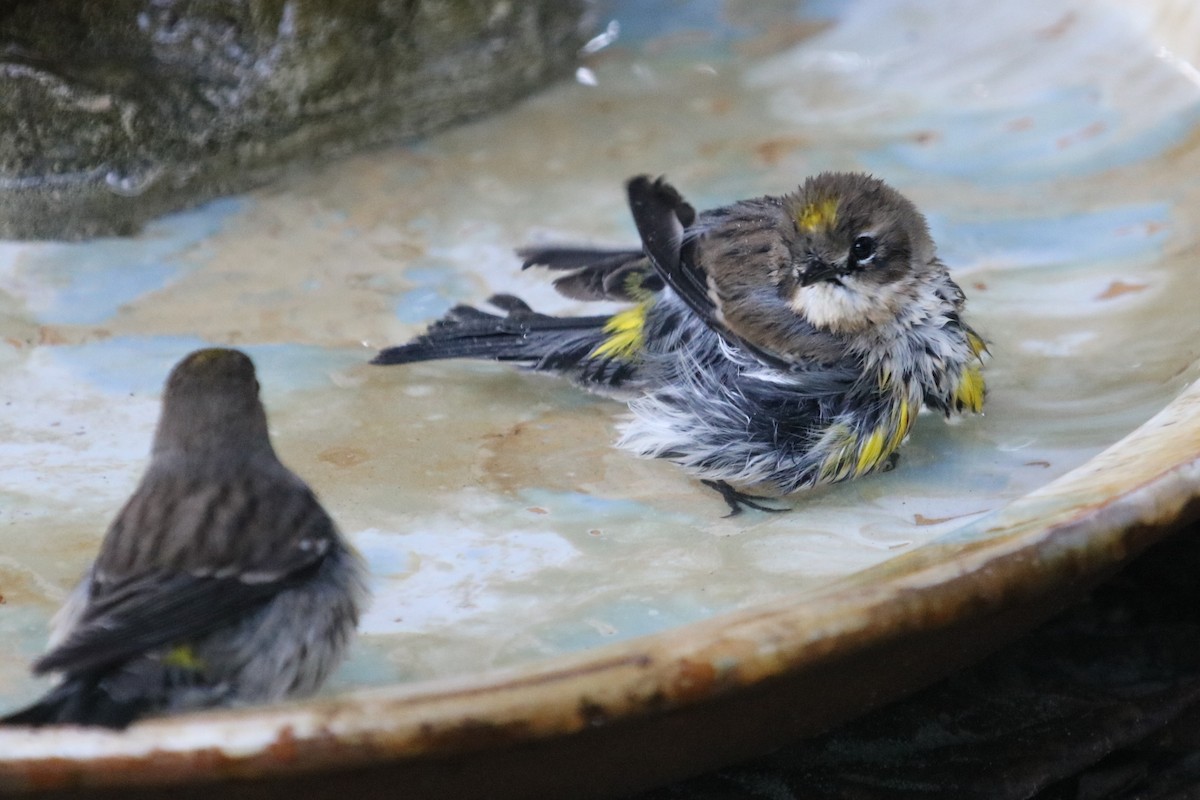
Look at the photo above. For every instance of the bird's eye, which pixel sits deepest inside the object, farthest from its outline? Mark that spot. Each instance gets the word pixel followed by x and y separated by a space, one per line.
pixel 863 249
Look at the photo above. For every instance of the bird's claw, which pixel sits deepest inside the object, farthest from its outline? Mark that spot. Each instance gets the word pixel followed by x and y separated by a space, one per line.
pixel 738 500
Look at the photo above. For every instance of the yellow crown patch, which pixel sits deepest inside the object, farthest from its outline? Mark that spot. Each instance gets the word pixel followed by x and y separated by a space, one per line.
pixel 817 215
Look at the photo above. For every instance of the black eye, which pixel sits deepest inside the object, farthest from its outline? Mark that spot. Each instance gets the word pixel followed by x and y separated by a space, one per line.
pixel 863 249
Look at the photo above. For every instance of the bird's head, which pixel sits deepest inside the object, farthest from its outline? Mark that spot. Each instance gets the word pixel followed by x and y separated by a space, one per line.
pixel 211 403
pixel 856 251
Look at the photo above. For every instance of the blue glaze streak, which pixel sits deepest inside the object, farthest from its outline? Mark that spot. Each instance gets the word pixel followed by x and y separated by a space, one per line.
pixel 437 286
pixel 1108 235
pixel 139 365
pixel 585 509
pixel 1064 133
pixel 703 26
pixel 94 279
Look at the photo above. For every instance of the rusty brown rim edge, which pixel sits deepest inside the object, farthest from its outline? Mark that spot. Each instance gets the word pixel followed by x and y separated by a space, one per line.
pixel 688 665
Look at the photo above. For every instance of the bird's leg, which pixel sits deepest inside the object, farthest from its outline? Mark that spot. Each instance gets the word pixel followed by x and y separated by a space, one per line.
pixel 736 500
pixel 890 464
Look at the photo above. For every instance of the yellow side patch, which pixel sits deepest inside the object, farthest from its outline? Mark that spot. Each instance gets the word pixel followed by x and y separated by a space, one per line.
pixel 840 443
pixel 902 420
pixel 817 215
pixel 870 452
pixel 977 345
pixel 850 455
pixel 970 390
pixel 626 331
pixel 183 657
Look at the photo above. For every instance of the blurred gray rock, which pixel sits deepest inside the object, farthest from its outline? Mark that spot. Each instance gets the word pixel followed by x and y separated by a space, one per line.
pixel 115 111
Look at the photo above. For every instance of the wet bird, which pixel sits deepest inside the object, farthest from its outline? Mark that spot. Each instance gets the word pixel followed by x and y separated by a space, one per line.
pixel 771 345
pixel 221 582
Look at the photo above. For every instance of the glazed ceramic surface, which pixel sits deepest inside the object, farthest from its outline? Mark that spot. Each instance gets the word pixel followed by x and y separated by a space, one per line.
pixel 1050 144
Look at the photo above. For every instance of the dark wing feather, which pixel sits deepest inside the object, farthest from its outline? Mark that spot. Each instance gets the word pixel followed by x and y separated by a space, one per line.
pixel 521 335
pixel 176 571
pixel 595 274
pixel 569 258
pixel 81 700
pixel 156 611
pixel 663 217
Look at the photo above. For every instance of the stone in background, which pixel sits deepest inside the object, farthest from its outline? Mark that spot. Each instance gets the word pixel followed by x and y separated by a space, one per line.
pixel 115 111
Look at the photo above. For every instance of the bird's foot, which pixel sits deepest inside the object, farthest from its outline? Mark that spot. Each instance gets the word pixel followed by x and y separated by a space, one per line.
pixel 738 500
pixel 890 464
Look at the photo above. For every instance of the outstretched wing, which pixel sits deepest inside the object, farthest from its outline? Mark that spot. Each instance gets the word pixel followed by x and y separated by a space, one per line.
pixel 663 220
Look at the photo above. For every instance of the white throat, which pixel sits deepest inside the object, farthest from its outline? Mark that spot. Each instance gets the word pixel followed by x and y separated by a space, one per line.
pixel 849 307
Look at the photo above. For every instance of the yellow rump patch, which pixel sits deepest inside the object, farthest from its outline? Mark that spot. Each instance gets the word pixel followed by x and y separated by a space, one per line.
pixel 183 657
pixel 626 331
pixel 820 214
pixel 970 390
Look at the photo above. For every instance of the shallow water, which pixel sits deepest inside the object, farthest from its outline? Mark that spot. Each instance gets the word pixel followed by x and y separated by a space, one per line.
pixel 1044 141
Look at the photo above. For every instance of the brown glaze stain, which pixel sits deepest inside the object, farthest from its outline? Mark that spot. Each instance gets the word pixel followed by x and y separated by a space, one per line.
pixel 1019 124
pixel 558 451
pixel 771 151
pixel 778 38
pixel 20 588
pixel 470 734
pixel 692 680
pixel 921 519
pixel 343 456
pixel 720 105
pixel 926 137
pixel 1147 228
pixel 1038 463
pixel 55 335
pixel 1118 288
pixel 1090 131
pixel 284 748
pixel 1059 27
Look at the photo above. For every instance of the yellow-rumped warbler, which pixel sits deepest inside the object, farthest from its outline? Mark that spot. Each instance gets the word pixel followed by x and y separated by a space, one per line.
pixel 776 343
pixel 222 581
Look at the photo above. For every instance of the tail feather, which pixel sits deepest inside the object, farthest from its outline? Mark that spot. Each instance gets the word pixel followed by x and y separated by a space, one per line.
pixel 522 335
pixel 82 700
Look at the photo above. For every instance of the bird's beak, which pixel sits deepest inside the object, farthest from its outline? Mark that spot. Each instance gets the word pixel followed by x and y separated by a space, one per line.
pixel 816 271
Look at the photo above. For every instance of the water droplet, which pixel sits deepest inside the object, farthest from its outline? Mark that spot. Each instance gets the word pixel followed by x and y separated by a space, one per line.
pixel 602 40
pixel 586 76
pixel 133 182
